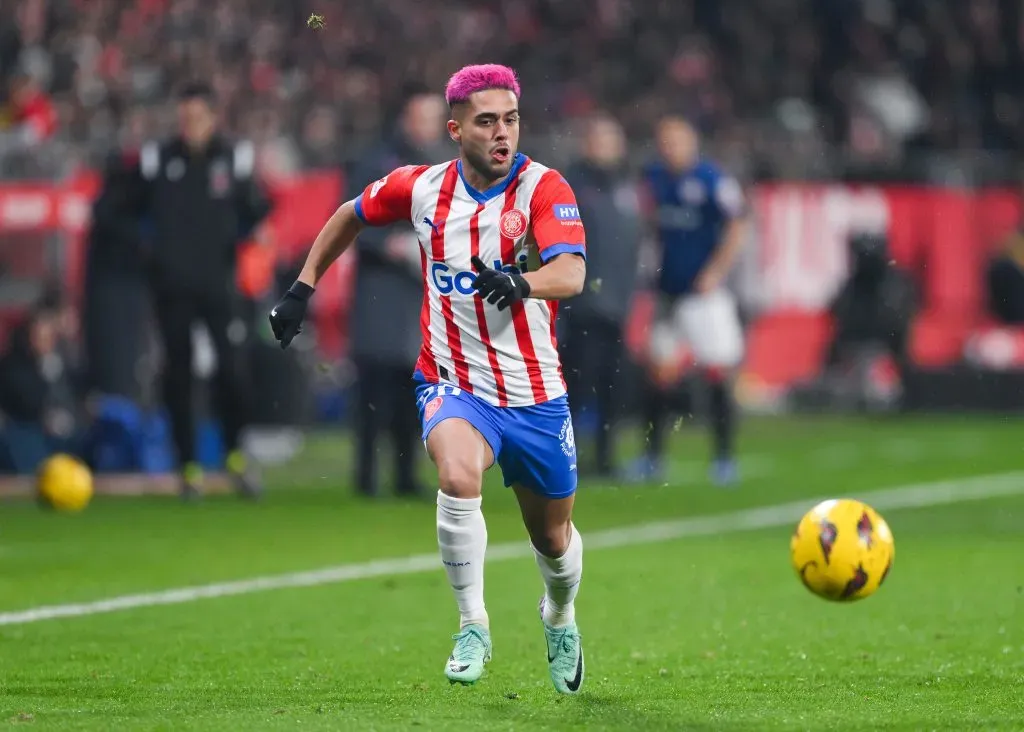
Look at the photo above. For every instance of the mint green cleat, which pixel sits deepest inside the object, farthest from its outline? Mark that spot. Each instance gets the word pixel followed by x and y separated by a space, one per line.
pixel 472 650
pixel 565 656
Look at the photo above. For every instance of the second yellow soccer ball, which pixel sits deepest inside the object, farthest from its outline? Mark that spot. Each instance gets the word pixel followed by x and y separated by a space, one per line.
pixel 842 550
pixel 64 483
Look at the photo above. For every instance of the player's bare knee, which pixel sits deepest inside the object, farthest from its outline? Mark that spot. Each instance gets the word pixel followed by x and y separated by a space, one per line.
pixel 459 478
pixel 552 541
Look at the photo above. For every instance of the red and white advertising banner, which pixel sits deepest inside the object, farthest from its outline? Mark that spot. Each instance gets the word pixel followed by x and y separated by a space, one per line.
pixel 795 264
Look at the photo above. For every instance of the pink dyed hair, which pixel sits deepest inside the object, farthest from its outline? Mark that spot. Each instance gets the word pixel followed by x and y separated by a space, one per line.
pixel 471 79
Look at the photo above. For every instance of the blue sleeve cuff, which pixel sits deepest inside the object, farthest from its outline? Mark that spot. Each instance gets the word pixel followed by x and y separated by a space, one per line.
pixel 555 249
pixel 359 209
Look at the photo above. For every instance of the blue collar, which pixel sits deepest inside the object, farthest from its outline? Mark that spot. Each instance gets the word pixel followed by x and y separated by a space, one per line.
pixel 498 188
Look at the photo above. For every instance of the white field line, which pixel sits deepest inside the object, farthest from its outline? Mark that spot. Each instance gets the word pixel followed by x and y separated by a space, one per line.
pixel 784 514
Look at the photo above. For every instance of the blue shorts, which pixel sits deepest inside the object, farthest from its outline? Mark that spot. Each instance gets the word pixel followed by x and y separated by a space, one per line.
pixel 534 446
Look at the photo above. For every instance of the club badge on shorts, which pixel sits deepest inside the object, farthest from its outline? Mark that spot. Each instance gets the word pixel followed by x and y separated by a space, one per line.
pixel 568 438
pixel 431 409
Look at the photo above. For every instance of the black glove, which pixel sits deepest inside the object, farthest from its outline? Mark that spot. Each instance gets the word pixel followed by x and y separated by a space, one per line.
pixel 503 288
pixel 286 317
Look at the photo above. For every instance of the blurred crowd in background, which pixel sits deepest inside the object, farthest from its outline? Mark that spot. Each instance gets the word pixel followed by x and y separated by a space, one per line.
pixel 782 88
pixel 863 91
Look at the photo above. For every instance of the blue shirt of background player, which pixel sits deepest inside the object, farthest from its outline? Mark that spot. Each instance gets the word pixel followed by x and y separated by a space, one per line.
pixel 692 210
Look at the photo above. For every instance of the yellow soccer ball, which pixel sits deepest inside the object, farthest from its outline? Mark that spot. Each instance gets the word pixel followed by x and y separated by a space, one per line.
pixel 842 550
pixel 64 483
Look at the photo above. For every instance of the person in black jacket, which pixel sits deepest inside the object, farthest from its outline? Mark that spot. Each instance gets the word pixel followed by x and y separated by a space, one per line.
pixel 388 293
pixel 198 194
pixel 38 409
pixel 594 321
pixel 1004 280
pixel 115 303
pixel 876 305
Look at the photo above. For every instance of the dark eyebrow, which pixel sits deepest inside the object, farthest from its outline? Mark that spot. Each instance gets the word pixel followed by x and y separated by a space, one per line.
pixel 494 115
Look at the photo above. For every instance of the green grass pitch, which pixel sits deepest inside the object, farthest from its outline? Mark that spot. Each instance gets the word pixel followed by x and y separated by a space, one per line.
pixel 703 631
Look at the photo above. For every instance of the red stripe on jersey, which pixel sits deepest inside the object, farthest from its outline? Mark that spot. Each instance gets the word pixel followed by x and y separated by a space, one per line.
pixel 481 317
pixel 426 364
pixel 444 205
pixel 520 322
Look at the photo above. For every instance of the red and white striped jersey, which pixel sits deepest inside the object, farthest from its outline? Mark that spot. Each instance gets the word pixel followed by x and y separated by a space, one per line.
pixel 510 357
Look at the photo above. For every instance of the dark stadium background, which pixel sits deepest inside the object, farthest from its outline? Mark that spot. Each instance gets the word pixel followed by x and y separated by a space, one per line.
pixel 838 117
pixel 900 117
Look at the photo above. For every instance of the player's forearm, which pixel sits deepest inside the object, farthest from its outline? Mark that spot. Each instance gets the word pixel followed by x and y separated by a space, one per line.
pixel 337 235
pixel 559 279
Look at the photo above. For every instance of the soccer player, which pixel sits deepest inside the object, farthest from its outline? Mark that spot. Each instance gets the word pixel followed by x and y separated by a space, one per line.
pixel 502 242
pixel 699 215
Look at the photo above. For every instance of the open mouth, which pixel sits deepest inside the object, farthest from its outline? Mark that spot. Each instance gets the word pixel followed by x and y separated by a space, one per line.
pixel 500 154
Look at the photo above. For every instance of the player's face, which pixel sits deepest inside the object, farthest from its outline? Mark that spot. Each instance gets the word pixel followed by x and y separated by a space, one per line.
pixel 423 120
pixel 605 143
pixel 487 129
pixel 43 335
pixel 196 121
pixel 677 144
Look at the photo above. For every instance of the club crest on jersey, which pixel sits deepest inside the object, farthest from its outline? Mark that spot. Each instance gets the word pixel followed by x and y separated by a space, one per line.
pixel 513 223
pixel 693 191
pixel 375 189
pixel 432 406
pixel 220 181
pixel 175 169
pixel 627 201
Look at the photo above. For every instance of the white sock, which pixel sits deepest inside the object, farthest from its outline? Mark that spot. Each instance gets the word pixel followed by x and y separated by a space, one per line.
pixel 462 539
pixel 562 581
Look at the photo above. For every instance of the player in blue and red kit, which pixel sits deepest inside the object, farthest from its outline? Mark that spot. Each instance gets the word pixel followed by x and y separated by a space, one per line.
pixel 699 216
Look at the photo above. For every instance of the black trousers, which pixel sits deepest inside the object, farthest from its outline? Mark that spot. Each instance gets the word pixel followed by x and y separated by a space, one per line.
pixel 176 312
pixel 115 314
pixel 1005 280
pixel 592 353
pixel 386 404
